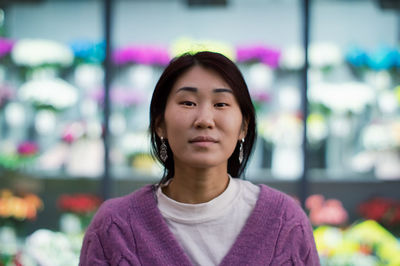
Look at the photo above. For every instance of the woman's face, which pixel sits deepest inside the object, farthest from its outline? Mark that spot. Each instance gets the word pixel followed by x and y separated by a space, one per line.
pixel 202 120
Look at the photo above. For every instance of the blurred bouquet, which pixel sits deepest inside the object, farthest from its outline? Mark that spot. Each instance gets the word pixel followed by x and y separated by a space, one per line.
pixel 365 243
pixel 326 212
pixel 383 210
pixel 54 94
pixel 188 45
pixel 78 210
pixel 6 46
pixel 146 55
pixel 37 52
pixel 258 53
pixel 15 209
pixel 21 156
pixel 81 204
pixel 88 52
pixel 45 247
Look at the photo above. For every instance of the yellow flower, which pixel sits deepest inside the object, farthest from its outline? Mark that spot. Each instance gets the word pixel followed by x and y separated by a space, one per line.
pixel 188 45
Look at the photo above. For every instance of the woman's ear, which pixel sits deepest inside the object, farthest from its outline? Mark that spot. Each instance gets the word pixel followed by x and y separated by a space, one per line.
pixel 243 130
pixel 160 128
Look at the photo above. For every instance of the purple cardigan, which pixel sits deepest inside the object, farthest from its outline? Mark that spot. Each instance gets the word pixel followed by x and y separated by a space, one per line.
pixel 130 230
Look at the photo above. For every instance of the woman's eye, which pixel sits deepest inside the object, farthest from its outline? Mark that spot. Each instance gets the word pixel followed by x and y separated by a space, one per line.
pixel 221 104
pixel 187 103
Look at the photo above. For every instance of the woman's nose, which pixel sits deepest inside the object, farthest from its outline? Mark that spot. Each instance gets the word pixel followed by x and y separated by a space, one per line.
pixel 204 118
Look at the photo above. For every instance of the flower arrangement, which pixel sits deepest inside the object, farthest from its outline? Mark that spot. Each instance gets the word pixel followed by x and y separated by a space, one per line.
pixel 81 204
pixel 54 94
pixel 342 98
pixel 188 45
pixel 383 210
pixel 382 58
pixel 23 155
pixel 258 53
pixel 364 243
pixel 18 209
pixel 86 51
pixel 325 212
pixel 38 52
pixel 322 56
pixel 78 210
pixel 120 96
pixel 6 46
pixel 146 55
pixel 45 247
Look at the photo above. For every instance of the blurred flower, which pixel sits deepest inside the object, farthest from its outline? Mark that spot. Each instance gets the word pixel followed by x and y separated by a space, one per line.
pixel 86 51
pixel 19 208
pixel 119 95
pixel 356 56
pixel 328 212
pixel 45 247
pixel 148 55
pixel 6 46
pixel 27 148
pixel 384 57
pixel 365 243
pixel 73 131
pixel 38 52
pixel 79 203
pixel 325 55
pixel 317 129
pixel 321 55
pixel 188 45
pixel 381 135
pixel 6 93
pixel 258 53
pixel 383 210
pixel 342 98
pixel 49 93
pixel 292 58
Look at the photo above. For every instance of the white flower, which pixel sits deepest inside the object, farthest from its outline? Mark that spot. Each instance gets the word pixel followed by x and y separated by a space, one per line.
pixel 36 52
pixel 292 57
pixel 320 55
pixel 55 92
pixel 342 97
pixel 324 55
pixel 52 248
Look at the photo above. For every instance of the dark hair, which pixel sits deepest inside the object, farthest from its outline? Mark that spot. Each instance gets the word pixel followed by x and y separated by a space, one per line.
pixel 232 75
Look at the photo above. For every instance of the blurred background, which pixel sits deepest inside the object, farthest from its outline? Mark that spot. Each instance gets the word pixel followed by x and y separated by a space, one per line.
pixel 76 78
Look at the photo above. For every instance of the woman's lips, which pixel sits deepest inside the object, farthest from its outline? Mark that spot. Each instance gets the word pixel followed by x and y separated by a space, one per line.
pixel 205 139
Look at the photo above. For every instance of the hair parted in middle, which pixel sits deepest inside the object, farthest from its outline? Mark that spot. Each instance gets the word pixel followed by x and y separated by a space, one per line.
pixel 229 72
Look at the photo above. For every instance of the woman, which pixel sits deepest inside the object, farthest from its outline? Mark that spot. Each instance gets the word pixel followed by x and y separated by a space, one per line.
pixel 202 126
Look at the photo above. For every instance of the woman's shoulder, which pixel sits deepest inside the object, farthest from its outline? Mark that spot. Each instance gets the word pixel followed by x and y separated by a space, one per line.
pixel 119 208
pixel 281 204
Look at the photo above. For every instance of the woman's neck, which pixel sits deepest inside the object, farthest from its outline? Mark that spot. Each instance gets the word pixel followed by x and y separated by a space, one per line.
pixel 195 186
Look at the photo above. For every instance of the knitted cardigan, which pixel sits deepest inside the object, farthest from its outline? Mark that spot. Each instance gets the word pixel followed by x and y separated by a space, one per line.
pixel 130 230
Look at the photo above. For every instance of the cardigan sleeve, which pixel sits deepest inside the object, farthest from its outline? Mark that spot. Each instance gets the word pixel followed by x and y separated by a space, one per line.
pixel 109 239
pixel 92 252
pixel 295 245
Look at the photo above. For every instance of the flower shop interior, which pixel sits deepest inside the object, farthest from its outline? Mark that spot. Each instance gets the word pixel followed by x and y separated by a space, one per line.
pixel 76 79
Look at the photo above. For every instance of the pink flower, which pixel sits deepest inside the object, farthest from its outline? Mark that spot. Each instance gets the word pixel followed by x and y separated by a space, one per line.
pixel 27 148
pixel 258 53
pixel 6 46
pixel 148 55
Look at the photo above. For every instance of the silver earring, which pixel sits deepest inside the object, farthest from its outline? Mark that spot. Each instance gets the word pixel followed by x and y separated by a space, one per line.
pixel 241 151
pixel 163 150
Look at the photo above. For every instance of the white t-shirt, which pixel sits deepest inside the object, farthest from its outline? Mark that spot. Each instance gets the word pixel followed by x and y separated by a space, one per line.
pixel 207 231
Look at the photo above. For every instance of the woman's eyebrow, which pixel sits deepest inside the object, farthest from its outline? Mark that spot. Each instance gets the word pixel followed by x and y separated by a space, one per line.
pixel 190 89
pixel 193 89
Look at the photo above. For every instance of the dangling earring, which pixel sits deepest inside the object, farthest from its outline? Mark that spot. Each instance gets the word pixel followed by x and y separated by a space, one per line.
pixel 241 151
pixel 163 150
